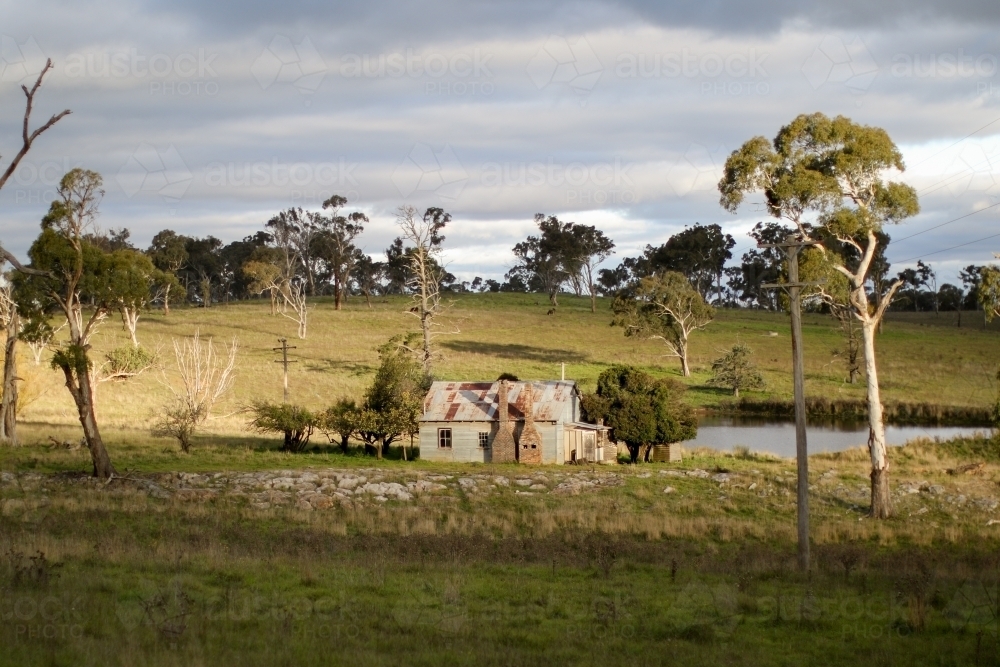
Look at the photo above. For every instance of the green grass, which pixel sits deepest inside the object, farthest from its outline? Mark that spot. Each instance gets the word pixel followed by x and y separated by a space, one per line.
pixel 621 575
pixel 922 358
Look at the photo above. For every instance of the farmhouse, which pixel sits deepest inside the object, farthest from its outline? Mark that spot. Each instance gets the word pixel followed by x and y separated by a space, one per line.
pixel 508 422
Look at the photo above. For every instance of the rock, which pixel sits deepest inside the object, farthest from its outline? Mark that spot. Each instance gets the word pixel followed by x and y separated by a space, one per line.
pixel 321 502
pixel 538 487
pixel 934 489
pixel 466 482
pixel 283 483
pixel 501 481
pixel 303 505
pixel 7 478
pixel 752 486
pixel 645 475
pixel 669 489
pixel 700 474
pixel 721 478
pixel 351 482
pixel 523 482
pixel 423 486
pixel 672 473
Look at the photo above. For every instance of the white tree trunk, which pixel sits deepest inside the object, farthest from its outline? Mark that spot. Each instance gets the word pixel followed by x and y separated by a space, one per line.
pixel 881 503
pixel 130 319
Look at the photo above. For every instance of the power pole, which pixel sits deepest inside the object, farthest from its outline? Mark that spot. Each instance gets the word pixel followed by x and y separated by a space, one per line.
pixel 284 361
pixel 791 247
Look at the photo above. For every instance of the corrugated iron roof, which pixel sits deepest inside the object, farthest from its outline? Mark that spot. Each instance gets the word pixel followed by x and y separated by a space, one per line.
pixel 477 401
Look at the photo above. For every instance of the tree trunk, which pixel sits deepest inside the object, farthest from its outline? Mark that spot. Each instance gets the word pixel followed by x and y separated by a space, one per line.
pixel 336 299
pixel 682 352
pixel 554 298
pixel 881 503
pixel 166 301
pixel 130 318
pixel 368 299
pixel 8 406
pixel 425 324
pixel 593 300
pixel 82 389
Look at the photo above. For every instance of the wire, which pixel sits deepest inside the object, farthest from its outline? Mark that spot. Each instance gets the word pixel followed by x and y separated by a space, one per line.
pixel 958 142
pixel 960 245
pixel 985 208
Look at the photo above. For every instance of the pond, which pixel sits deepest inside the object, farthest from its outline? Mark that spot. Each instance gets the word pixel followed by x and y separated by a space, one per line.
pixel 778 437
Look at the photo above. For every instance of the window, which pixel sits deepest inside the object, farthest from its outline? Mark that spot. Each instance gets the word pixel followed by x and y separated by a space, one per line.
pixel 484 439
pixel 444 438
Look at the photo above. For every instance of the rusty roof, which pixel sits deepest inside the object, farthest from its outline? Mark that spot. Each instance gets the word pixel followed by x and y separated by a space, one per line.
pixel 477 401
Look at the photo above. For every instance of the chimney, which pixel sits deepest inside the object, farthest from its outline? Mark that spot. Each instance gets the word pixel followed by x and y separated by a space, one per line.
pixel 504 449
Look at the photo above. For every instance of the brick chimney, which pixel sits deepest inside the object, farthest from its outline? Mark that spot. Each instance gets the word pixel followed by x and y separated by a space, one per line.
pixel 504 450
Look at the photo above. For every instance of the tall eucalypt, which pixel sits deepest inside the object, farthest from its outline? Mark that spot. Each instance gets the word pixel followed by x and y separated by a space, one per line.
pixel 829 178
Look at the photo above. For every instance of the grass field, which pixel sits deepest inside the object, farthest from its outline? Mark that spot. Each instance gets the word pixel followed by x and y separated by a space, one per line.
pixel 238 553
pixel 923 358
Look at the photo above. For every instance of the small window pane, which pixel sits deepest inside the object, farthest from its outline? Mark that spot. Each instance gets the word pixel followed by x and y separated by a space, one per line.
pixel 444 438
pixel 484 439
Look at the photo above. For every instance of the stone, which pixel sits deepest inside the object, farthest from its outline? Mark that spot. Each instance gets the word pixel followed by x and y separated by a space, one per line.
pixel 466 482
pixel 501 481
pixel 721 478
pixel 752 486
pixel 538 487
pixel 934 489
pixel 523 482
pixel 700 474
pixel 669 489
pixel 321 502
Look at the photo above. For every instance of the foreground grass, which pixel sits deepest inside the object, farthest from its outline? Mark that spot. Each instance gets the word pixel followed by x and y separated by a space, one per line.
pixel 622 574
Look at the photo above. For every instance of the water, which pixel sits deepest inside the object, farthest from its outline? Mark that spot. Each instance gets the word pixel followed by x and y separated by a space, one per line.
pixel 778 437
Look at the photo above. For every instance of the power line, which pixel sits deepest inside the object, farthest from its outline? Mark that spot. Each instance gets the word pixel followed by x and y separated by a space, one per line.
pixel 958 142
pixel 985 208
pixel 960 245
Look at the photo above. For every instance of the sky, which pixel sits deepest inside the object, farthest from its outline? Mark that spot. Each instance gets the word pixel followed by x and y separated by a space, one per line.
pixel 208 118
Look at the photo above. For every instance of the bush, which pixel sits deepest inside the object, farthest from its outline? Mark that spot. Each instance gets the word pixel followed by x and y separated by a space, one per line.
pixel 127 361
pixel 179 421
pixel 294 422
pixel 735 370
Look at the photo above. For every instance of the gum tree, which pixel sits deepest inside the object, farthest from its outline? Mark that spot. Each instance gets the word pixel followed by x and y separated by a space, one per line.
pixel 828 177
pixel 664 307
pixel 70 271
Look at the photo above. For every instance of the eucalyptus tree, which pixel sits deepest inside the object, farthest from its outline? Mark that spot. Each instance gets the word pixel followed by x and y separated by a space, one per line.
pixel 69 271
pixel 664 307
pixel 168 252
pixel 334 244
pixel 828 177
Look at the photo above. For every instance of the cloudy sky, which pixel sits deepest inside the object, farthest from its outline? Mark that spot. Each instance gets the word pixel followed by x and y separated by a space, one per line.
pixel 207 118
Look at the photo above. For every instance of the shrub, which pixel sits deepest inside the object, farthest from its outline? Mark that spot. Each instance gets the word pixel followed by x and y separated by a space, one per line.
pixel 179 421
pixel 735 370
pixel 126 362
pixel 294 422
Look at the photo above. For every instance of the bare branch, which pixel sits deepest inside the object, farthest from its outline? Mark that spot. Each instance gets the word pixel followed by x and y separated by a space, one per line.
pixel 27 136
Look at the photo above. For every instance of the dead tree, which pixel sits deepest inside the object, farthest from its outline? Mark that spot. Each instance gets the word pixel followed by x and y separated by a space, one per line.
pixel 8 411
pixel 426 270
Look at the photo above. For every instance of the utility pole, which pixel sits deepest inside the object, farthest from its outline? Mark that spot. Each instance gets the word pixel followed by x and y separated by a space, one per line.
pixel 284 361
pixel 791 247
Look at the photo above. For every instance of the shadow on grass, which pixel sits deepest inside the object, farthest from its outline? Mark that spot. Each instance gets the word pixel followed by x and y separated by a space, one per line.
pixel 514 351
